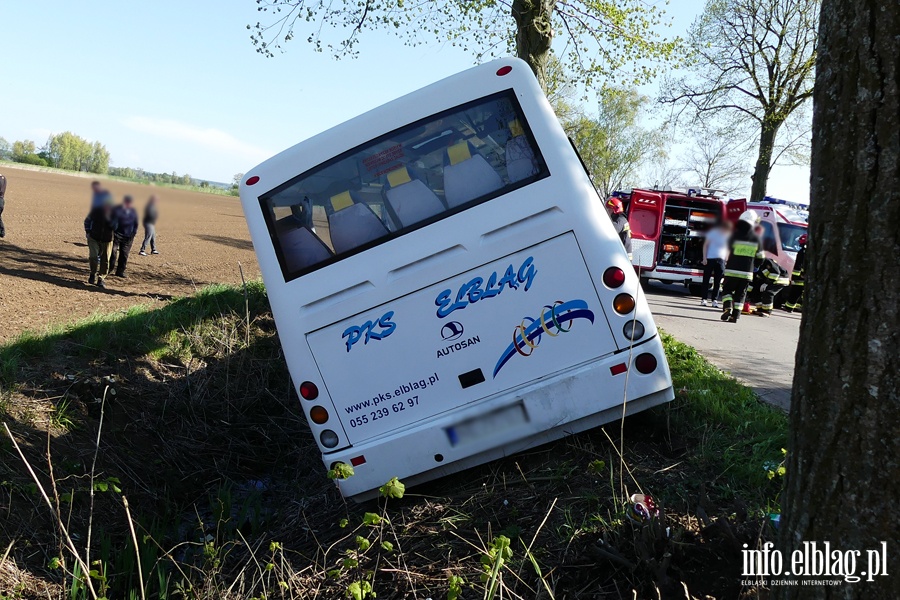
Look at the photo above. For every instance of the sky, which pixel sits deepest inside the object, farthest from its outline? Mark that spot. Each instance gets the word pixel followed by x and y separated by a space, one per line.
pixel 177 86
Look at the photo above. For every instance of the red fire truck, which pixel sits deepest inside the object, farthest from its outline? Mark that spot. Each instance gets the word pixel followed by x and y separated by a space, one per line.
pixel 668 230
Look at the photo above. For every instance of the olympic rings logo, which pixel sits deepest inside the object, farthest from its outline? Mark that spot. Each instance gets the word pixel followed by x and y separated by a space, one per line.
pixel 553 320
pixel 521 330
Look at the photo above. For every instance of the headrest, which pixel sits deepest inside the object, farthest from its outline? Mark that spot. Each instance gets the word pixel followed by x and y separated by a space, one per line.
pixel 398 177
pixel 341 201
pixel 459 152
pixel 515 128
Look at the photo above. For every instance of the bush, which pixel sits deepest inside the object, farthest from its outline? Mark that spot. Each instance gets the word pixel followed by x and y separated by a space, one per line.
pixel 32 159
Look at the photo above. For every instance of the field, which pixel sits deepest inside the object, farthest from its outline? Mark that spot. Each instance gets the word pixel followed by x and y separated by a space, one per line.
pixel 43 259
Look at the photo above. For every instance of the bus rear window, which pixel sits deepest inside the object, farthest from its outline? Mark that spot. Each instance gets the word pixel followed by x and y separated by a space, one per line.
pixel 402 181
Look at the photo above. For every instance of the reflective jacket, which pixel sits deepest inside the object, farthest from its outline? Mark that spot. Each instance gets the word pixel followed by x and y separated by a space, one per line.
pixel 746 252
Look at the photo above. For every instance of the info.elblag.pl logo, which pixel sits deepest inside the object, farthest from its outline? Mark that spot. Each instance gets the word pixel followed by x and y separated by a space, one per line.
pixel 814 560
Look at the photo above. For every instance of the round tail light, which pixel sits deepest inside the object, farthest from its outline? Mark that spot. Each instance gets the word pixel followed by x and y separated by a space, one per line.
pixel 329 438
pixel 633 330
pixel 645 363
pixel 318 414
pixel 309 390
pixel 614 277
pixel 623 303
pixel 504 70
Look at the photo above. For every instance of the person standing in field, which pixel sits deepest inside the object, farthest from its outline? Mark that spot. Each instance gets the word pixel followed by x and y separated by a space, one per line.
pixel 715 253
pixel 97 194
pixel 151 214
pixel 125 218
pixel 2 204
pixel 100 229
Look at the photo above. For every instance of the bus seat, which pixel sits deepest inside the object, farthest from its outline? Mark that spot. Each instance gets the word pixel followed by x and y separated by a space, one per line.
pixel 300 247
pixel 467 175
pixel 520 161
pixel 352 223
pixel 409 198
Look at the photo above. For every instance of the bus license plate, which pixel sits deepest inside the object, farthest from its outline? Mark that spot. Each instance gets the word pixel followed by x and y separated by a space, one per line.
pixel 487 425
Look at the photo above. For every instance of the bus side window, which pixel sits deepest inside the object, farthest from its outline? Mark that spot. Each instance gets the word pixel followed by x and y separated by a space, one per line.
pixel 520 162
pixel 467 175
pixel 352 223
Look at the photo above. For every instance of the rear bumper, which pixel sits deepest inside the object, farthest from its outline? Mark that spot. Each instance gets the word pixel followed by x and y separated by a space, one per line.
pixel 680 275
pixel 555 407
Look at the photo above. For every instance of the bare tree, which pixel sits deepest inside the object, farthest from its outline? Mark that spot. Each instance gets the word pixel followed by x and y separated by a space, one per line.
pixel 752 59
pixel 843 468
pixel 599 38
pixel 715 160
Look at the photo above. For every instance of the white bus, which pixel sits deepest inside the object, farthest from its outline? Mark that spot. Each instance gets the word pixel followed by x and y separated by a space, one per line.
pixel 447 286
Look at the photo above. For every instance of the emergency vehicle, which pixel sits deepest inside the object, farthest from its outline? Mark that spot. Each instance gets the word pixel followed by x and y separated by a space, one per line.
pixel 668 230
pixel 782 228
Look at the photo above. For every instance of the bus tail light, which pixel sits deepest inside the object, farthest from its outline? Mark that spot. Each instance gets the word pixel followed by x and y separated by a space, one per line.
pixel 309 390
pixel 318 414
pixel 253 180
pixel 645 363
pixel 623 303
pixel 633 330
pixel 618 369
pixel 504 70
pixel 329 438
pixel 358 460
pixel 614 277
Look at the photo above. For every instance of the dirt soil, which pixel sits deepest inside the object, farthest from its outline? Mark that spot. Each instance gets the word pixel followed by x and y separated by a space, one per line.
pixel 44 256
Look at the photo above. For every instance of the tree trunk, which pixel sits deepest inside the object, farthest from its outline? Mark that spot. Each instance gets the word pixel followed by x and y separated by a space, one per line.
pixel 767 134
pixel 843 469
pixel 534 34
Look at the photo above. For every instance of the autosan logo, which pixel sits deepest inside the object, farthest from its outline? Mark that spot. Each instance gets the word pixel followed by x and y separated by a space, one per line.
pixel 813 564
pixel 452 332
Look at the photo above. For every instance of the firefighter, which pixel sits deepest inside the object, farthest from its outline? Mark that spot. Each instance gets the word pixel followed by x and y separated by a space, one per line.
pixel 794 300
pixel 769 280
pixel 617 213
pixel 746 252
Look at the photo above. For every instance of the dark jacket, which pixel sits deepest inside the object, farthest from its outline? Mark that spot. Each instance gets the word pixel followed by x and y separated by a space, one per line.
pixel 799 273
pixel 746 252
pixel 620 222
pixel 771 274
pixel 126 220
pixel 99 224
pixel 151 214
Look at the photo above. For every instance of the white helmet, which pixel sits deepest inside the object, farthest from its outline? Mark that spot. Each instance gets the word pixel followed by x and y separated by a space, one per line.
pixel 751 216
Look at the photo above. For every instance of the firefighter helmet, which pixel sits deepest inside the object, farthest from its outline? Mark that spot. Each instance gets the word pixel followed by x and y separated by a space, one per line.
pixel 615 205
pixel 750 216
pixel 802 239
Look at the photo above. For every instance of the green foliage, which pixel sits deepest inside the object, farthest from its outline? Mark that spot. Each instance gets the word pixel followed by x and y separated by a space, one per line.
pixel 61 415
pixel 372 519
pixel 340 471
pixel 5 149
pixel 492 562
pixel 393 489
pixel 598 39
pixel 597 467
pixel 613 144
pixel 74 153
pixel 359 590
pixel 455 585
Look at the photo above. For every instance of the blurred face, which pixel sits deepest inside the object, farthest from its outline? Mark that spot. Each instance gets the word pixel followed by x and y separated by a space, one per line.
pixel 95 187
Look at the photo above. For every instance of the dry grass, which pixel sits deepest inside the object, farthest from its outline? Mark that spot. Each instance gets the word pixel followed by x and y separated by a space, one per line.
pixel 228 498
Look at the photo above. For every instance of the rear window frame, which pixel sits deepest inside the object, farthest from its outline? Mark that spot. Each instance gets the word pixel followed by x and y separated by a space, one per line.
pixel 508 94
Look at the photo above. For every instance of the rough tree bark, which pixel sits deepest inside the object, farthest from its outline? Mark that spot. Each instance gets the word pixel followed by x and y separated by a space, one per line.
pixel 534 34
pixel 843 470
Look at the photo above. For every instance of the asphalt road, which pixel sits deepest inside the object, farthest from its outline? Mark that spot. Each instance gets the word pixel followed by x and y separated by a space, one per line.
pixel 756 350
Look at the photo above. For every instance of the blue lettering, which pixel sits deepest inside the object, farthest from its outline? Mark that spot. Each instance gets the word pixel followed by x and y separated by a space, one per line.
pixel 472 291
pixel 475 291
pixel 355 333
pixel 527 272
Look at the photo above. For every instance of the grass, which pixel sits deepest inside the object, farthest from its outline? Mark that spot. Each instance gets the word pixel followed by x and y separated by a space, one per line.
pixel 205 439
